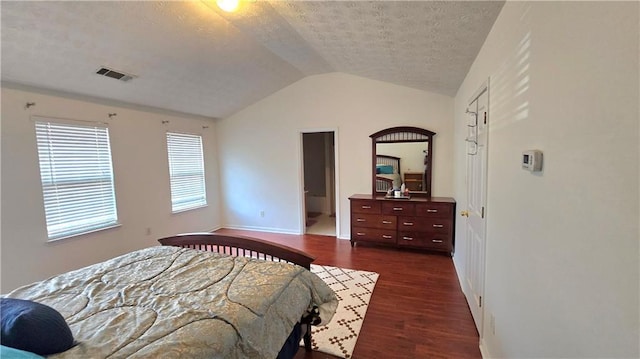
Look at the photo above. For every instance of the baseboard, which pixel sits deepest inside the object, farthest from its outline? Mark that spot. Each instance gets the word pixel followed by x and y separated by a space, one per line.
pixel 463 287
pixel 270 230
pixel 262 229
pixel 460 276
pixel 483 350
pixel 212 229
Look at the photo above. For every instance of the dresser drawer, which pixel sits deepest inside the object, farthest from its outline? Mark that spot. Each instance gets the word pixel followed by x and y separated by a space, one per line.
pixel 373 235
pixel 422 224
pixel 374 221
pixel 434 210
pixel 398 208
pixel 420 240
pixel 365 206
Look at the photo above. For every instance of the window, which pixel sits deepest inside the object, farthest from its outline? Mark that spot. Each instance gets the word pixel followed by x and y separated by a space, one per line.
pixel 77 178
pixel 186 171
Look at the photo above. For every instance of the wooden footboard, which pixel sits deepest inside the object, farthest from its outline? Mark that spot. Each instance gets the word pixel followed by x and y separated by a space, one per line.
pixel 241 246
pixel 383 184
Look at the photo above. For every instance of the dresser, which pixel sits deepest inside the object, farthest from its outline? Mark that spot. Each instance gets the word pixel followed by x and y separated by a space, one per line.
pixel 420 223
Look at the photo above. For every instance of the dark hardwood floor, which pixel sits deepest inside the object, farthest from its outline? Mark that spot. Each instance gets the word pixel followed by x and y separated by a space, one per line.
pixel 417 309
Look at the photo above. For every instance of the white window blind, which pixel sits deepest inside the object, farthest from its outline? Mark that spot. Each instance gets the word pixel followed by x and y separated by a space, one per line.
pixel 77 178
pixel 186 171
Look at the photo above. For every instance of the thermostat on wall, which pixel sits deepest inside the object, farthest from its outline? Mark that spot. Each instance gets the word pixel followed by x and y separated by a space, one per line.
pixel 532 160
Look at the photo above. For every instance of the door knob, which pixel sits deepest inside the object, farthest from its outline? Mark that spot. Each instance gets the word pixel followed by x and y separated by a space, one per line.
pixel 464 213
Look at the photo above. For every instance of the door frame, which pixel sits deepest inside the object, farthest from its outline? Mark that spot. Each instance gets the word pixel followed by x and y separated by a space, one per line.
pixel 336 176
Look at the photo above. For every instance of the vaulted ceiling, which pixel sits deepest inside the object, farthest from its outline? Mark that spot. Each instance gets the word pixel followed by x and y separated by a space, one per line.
pixel 194 58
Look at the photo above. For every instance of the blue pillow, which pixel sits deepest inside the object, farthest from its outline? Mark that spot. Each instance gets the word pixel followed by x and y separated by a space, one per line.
pixel 11 353
pixel 384 169
pixel 33 327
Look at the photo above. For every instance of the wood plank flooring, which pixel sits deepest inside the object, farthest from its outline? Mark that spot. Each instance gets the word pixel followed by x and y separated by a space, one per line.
pixel 417 309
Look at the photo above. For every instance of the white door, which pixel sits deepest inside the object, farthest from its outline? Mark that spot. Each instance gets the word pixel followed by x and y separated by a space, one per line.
pixel 476 202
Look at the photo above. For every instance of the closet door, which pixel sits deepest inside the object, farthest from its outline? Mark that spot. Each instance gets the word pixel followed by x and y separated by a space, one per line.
pixel 476 205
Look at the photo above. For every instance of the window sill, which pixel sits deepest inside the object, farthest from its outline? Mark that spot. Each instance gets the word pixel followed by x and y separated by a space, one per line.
pixel 189 209
pixel 50 240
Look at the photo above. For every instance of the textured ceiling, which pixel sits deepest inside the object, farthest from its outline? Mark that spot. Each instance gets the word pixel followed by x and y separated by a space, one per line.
pixel 192 57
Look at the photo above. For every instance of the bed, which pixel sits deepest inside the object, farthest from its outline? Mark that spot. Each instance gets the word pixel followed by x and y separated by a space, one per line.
pixel 199 295
pixel 387 173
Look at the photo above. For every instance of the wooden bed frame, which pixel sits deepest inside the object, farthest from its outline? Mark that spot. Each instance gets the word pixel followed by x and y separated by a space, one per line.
pixel 244 246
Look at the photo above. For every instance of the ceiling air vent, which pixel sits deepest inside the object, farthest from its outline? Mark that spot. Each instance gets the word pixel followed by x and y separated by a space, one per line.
pixel 114 74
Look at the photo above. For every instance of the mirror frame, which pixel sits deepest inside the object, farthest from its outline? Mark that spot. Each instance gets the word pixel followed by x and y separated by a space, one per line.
pixel 404 134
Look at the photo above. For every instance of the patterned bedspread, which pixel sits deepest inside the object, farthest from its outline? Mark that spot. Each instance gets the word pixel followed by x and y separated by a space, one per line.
pixel 181 303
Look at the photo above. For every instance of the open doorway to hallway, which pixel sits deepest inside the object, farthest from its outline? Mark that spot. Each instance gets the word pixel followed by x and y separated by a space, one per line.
pixel 319 182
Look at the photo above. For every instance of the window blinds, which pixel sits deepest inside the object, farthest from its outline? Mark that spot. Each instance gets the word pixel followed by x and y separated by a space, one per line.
pixel 186 171
pixel 77 178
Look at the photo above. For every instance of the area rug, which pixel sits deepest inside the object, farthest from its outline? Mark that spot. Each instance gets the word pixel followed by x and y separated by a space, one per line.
pixel 354 289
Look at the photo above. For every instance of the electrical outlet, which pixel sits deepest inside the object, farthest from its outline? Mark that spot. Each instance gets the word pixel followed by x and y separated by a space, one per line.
pixel 262 213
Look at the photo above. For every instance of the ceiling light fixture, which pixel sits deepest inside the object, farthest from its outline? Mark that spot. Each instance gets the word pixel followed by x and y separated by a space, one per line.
pixel 228 5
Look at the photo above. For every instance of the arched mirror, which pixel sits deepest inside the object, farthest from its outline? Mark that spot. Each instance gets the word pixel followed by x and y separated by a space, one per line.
pixel 402 155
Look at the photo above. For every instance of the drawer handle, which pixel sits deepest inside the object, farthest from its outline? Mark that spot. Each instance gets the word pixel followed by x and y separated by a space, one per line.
pixel 436 240
pixel 360 220
pixel 408 223
pixel 438 225
pixel 398 208
pixel 407 238
pixel 386 222
pixel 432 210
pixel 366 207
pixel 386 236
pixel 360 233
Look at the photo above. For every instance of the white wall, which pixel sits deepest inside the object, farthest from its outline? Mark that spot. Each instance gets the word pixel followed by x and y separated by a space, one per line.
pixel 562 246
pixel 140 165
pixel 260 145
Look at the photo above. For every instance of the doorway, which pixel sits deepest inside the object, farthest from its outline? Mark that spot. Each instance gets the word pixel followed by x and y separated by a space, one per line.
pixel 319 183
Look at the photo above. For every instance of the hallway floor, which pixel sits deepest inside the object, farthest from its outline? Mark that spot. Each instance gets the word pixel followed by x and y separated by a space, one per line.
pixel 321 224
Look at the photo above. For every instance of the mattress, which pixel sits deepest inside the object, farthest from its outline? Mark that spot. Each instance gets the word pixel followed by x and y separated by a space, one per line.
pixel 169 302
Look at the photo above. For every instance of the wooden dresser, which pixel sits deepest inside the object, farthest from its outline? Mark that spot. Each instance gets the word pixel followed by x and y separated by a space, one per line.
pixel 421 223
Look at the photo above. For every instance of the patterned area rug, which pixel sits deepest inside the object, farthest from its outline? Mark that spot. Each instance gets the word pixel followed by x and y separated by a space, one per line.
pixel 354 289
